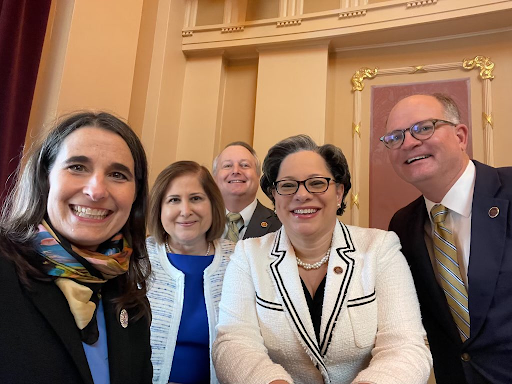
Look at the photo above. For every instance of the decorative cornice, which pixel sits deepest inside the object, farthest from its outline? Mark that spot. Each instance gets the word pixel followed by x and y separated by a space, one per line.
pixel 187 33
pixel 345 15
pixel 288 23
pixel 239 28
pixel 412 4
pixel 484 63
pixel 360 75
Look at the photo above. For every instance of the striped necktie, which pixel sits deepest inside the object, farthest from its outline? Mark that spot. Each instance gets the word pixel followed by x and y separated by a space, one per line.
pixel 449 273
pixel 233 220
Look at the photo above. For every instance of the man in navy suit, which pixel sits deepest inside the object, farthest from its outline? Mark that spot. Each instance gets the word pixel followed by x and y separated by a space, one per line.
pixel 237 170
pixel 427 148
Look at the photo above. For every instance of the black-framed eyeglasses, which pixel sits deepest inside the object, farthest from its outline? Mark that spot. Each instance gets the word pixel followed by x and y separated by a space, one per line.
pixel 422 130
pixel 312 185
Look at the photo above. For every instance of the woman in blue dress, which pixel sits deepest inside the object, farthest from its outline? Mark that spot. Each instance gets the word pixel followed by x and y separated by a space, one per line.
pixel 188 259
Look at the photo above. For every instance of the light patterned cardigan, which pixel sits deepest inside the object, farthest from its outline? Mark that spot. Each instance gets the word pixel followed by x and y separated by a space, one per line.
pixel 165 295
pixel 370 329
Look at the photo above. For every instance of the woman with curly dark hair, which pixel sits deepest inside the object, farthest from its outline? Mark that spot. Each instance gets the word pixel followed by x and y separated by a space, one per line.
pixel 318 301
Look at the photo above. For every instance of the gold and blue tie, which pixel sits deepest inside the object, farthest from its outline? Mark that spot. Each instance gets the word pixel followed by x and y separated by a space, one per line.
pixel 453 286
pixel 233 220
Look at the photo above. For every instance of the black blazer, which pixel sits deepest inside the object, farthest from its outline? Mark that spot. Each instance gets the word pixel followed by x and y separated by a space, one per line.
pixel 40 342
pixel 486 357
pixel 263 221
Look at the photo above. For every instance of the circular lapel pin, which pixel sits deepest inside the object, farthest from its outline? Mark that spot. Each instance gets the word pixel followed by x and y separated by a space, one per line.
pixel 123 318
pixel 338 270
pixel 264 224
pixel 493 212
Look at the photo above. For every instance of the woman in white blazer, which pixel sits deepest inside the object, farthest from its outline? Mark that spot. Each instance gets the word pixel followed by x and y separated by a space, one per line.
pixel 318 301
pixel 188 261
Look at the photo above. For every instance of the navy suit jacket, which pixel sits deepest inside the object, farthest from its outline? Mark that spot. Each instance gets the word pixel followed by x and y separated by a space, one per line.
pixel 486 357
pixel 40 342
pixel 263 221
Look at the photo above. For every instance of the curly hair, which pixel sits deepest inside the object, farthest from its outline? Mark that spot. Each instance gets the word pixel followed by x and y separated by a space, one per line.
pixel 333 156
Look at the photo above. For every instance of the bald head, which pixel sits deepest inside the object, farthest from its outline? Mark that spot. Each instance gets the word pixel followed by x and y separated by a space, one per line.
pixel 432 165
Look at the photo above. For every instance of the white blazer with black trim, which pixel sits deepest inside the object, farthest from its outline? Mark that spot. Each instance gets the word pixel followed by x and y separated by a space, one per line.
pixel 370 308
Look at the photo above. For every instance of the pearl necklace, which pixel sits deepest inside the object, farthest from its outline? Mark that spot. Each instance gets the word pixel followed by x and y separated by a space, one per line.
pixel 316 265
pixel 169 250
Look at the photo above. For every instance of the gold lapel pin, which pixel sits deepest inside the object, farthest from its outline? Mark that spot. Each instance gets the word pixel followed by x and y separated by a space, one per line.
pixel 123 318
pixel 493 212
pixel 264 224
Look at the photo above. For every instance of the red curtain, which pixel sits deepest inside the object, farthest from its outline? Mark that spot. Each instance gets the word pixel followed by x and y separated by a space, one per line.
pixel 22 29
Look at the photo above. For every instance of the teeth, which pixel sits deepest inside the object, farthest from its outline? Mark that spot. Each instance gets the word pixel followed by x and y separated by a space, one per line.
pixel 90 213
pixel 305 211
pixel 236 181
pixel 409 161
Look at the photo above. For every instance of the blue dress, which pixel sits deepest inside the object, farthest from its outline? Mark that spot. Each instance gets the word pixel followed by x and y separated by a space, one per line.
pixel 191 361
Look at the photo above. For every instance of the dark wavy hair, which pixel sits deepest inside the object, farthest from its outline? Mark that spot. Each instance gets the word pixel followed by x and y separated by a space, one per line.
pixel 25 207
pixel 333 156
pixel 165 177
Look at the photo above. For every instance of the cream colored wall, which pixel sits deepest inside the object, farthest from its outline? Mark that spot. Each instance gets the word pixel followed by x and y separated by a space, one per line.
pixel 128 57
pixel 240 101
pixel 201 113
pixel 88 59
pixel 157 113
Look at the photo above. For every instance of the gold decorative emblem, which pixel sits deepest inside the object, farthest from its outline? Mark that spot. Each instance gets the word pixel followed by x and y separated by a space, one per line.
pixel 356 129
pixel 487 119
pixel 494 212
pixel 355 200
pixel 419 68
pixel 264 224
pixel 360 75
pixel 123 318
pixel 484 63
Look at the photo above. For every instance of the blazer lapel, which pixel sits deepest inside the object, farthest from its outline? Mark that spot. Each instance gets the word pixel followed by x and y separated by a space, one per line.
pixel 258 226
pixel 118 344
pixel 52 304
pixel 339 276
pixel 430 293
pixel 487 244
pixel 285 274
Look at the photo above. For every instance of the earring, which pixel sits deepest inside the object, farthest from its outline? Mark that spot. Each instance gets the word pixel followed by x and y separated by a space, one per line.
pixel 339 206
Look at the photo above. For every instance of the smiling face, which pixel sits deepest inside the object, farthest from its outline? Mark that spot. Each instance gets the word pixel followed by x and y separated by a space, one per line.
pixel 186 212
pixel 237 176
pixel 92 187
pixel 307 215
pixel 432 165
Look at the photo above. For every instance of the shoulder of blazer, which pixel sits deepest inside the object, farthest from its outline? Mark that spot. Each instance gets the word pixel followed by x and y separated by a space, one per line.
pixel 492 181
pixel 403 216
pixel 263 221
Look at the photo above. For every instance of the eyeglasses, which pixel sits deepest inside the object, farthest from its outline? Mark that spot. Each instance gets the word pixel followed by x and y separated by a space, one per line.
pixel 421 130
pixel 312 185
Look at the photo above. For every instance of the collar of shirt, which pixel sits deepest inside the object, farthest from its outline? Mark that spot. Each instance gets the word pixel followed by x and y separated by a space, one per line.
pixel 246 214
pixel 459 198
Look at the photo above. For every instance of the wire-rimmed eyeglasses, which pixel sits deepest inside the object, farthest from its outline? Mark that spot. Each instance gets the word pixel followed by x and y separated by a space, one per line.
pixel 312 185
pixel 422 130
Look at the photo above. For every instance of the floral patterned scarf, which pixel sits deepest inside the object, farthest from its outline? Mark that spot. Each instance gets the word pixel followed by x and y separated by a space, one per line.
pixel 80 273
